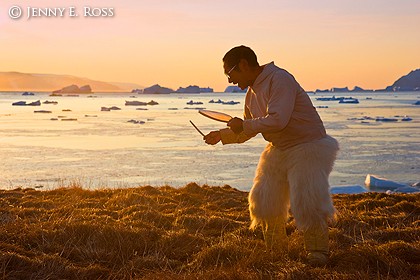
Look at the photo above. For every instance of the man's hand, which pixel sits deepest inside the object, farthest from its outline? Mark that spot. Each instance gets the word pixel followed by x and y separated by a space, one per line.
pixel 212 138
pixel 236 124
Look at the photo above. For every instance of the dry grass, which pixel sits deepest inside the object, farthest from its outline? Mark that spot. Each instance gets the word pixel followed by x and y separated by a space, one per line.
pixel 194 233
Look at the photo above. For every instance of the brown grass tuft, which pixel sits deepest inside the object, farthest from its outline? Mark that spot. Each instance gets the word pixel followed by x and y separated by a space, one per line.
pixel 194 232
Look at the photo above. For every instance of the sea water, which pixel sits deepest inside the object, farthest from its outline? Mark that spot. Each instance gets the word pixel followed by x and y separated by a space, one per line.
pixel 102 149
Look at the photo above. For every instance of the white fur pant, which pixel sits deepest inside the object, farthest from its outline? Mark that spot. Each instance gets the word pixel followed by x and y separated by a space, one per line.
pixel 296 177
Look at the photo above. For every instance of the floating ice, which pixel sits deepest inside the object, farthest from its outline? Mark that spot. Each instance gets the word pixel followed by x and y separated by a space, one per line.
pixel 349 189
pixel 349 100
pixel 219 101
pixel 136 121
pixel 381 184
pixel 382 119
pixel 406 119
pixel 194 103
pixel 407 189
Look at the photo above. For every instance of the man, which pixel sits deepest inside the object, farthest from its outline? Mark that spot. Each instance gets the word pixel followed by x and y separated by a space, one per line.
pixel 295 165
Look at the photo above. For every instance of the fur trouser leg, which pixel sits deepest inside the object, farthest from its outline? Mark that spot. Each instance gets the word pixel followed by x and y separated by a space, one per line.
pixel 301 172
pixel 269 199
pixel 309 166
pixel 311 202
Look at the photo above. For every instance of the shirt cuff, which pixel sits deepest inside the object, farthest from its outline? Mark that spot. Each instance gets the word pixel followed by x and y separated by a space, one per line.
pixel 228 136
pixel 248 127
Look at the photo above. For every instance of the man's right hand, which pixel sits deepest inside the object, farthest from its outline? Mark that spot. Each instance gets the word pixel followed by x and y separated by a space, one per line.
pixel 213 137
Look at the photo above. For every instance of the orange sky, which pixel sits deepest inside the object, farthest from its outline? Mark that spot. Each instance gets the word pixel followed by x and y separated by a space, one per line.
pixel 323 43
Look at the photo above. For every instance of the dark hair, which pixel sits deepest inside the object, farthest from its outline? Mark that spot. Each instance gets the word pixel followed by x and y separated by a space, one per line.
pixel 234 56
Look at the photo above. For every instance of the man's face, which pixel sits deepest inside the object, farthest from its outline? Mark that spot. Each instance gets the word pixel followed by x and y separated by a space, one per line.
pixel 234 75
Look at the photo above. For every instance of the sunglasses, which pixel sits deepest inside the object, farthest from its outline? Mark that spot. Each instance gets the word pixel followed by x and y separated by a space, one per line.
pixel 228 73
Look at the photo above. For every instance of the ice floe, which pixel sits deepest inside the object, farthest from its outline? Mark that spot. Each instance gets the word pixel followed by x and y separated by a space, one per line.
pixel 136 122
pixel 219 101
pixel 50 102
pixel 23 103
pixel 366 119
pixel 140 103
pixel 376 183
pixel 107 109
pixel 350 100
pixel 348 189
pixel 194 103
pixel 345 100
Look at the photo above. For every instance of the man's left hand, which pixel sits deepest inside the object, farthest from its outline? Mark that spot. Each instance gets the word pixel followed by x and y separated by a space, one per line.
pixel 236 124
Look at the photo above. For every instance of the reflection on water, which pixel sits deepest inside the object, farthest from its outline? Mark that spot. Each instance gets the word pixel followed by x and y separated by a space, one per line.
pixel 103 149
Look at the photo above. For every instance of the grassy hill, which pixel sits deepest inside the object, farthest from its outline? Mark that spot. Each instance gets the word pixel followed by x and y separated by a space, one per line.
pixel 194 232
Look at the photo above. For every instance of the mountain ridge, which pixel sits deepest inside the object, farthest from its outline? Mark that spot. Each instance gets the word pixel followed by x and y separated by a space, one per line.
pixel 408 82
pixel 18 81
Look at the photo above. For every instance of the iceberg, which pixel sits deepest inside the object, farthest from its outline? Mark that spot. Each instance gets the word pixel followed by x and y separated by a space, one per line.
pixel 219 101
pixel 152 102
pixel 382 119
pixel 193 89
pixel 135 103
pixel 23 103
pixel 19 103
pixel 136 121
pixel 407 189
pixel 74 89
pixel 349 100
pixel 333 98
pixel 406 119
pixel 194 103
pixel 35 103
pixel 50 102
pixel 107 109
pixel 231 102
pixel 195 108
pixel 157 89
pixel 349 189
pixel 376 183
pixel 68 119
pixel 234 89
pixel 224 102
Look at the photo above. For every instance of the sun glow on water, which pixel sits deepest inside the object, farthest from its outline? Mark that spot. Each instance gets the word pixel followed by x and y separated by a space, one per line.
pixel 104 146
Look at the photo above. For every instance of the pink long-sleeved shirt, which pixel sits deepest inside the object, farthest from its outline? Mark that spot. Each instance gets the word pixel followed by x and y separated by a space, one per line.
pixel 277 107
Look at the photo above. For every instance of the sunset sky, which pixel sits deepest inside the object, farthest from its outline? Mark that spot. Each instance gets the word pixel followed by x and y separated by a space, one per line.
pixel 324 43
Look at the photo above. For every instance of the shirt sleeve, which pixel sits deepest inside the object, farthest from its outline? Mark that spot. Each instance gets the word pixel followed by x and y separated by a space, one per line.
pixel 229 137
pixel 281 102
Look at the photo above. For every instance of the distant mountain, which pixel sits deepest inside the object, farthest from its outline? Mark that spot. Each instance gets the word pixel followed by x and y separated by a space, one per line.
pixel 16 81
pixel 126 86
pixel 409 82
